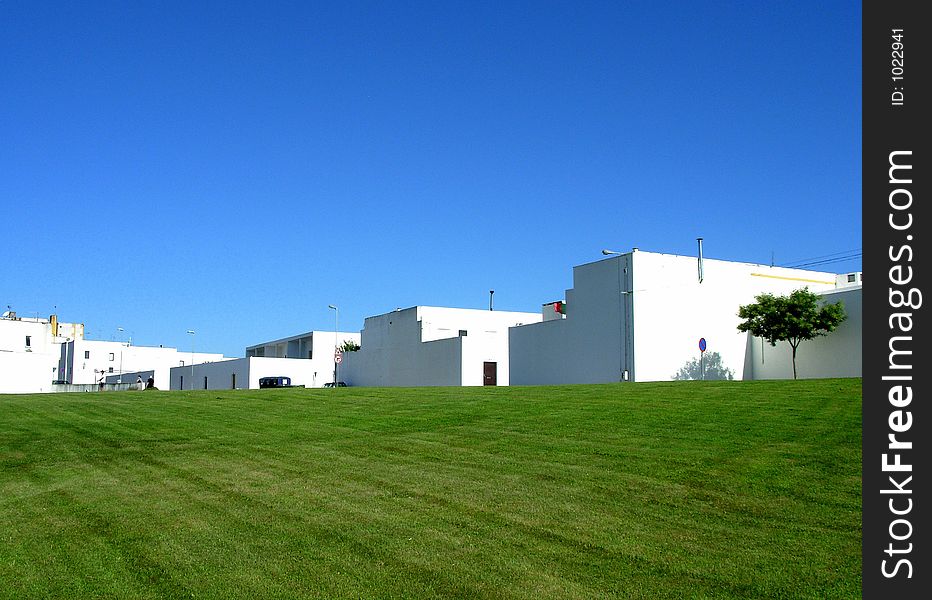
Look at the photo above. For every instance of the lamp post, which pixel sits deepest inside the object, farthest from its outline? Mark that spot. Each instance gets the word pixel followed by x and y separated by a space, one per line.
pixel 120 376
pixel 191 333
pixel 336 343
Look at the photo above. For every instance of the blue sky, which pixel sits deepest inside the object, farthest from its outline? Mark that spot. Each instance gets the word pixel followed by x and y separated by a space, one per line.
pixel 236 167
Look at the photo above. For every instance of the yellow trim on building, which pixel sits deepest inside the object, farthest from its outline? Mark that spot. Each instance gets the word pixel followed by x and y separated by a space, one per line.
pixel 792 278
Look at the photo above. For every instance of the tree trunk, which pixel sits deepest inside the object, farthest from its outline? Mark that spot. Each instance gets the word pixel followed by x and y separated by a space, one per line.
pixel 794 359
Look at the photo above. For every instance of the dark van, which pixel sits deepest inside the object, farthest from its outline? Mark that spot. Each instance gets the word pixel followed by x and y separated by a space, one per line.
pixel 274 382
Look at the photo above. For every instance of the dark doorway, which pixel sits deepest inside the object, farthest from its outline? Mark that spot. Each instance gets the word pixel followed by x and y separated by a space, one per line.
pixel 489 373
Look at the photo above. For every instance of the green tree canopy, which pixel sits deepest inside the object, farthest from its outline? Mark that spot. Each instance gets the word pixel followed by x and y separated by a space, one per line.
pixel 791 319
pixel 350 346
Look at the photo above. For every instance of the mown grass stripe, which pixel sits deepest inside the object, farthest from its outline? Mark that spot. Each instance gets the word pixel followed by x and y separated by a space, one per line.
pixel 669 490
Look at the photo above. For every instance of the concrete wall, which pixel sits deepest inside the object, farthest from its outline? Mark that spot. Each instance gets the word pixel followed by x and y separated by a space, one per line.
pixel 247 371
pixel 592 344
pixel 423 346
pixel 643 313
pixel 315 346
pixel 836 355
pixel 673 310
pixel 130 378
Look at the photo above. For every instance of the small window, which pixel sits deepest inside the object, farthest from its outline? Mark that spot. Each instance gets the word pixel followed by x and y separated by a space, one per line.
pixel 28 341
pixel 87 354
pixel 111 357
pixel 110 370
pixel 463 333
pixel 851 277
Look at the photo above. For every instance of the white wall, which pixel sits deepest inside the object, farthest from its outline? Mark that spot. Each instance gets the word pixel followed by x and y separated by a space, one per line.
pixel 593 344
pixel 422 346
pixel 87 356
pixel 319 345
pixel 836 355
pixel 248 371
pixel 672 310
pixel 644 313
pixel 32 368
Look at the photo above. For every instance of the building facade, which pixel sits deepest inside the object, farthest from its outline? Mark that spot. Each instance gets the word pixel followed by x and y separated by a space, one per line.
pixel 433 346
pixel 244 373
pixel 318 347
pixel 30 348
pixel 639 316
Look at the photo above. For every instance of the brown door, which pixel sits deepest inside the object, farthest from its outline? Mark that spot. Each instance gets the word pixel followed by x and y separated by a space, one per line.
pixel 490 373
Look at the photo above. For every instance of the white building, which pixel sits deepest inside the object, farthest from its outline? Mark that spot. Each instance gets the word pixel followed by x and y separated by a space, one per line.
pixel 244 373
pixel 431 346
pixel 639 316
pixel 317 347
pixel 29 351
pixel 89 361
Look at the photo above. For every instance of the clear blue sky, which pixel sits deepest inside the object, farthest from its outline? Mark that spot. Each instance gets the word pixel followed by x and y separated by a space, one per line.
pixel 235 167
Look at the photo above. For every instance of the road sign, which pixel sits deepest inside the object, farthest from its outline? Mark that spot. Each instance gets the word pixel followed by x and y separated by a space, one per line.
pixel 701 344
pixel 338 358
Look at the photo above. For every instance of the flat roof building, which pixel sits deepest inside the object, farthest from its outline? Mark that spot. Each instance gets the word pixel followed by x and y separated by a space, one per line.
pixel 639 316
pixel 433 346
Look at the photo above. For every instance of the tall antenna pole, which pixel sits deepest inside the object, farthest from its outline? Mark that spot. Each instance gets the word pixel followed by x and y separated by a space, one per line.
pixel 490 298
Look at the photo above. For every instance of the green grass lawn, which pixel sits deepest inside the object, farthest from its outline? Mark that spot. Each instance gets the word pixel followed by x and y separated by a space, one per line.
pixel 666 490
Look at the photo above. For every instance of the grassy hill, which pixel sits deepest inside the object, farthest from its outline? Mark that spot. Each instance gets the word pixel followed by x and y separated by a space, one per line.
pixel 666 490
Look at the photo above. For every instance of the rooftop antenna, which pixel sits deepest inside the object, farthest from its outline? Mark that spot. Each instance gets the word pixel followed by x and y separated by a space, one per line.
pixel 490 298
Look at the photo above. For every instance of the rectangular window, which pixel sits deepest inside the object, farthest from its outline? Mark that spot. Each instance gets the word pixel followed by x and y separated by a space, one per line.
pixel 110 370
pixel 28 341
pixel 463 333
pixel 87 354
pixel 851 278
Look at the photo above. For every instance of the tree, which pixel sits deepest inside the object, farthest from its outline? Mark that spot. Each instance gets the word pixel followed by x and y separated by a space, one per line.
pixel 350 346
pixel 791 319
pixel 710 368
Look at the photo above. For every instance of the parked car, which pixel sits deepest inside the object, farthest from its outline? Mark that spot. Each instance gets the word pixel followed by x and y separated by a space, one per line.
pixel 339 384
pixel 274 382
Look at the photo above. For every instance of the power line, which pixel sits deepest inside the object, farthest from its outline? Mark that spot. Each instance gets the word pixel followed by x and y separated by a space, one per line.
pixel 826 259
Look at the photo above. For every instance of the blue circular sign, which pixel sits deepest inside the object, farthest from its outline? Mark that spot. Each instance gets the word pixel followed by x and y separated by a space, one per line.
pixel 701 344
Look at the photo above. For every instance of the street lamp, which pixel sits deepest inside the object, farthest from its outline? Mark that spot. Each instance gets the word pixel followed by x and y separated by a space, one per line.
pixel 191 333
pixel 336 343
